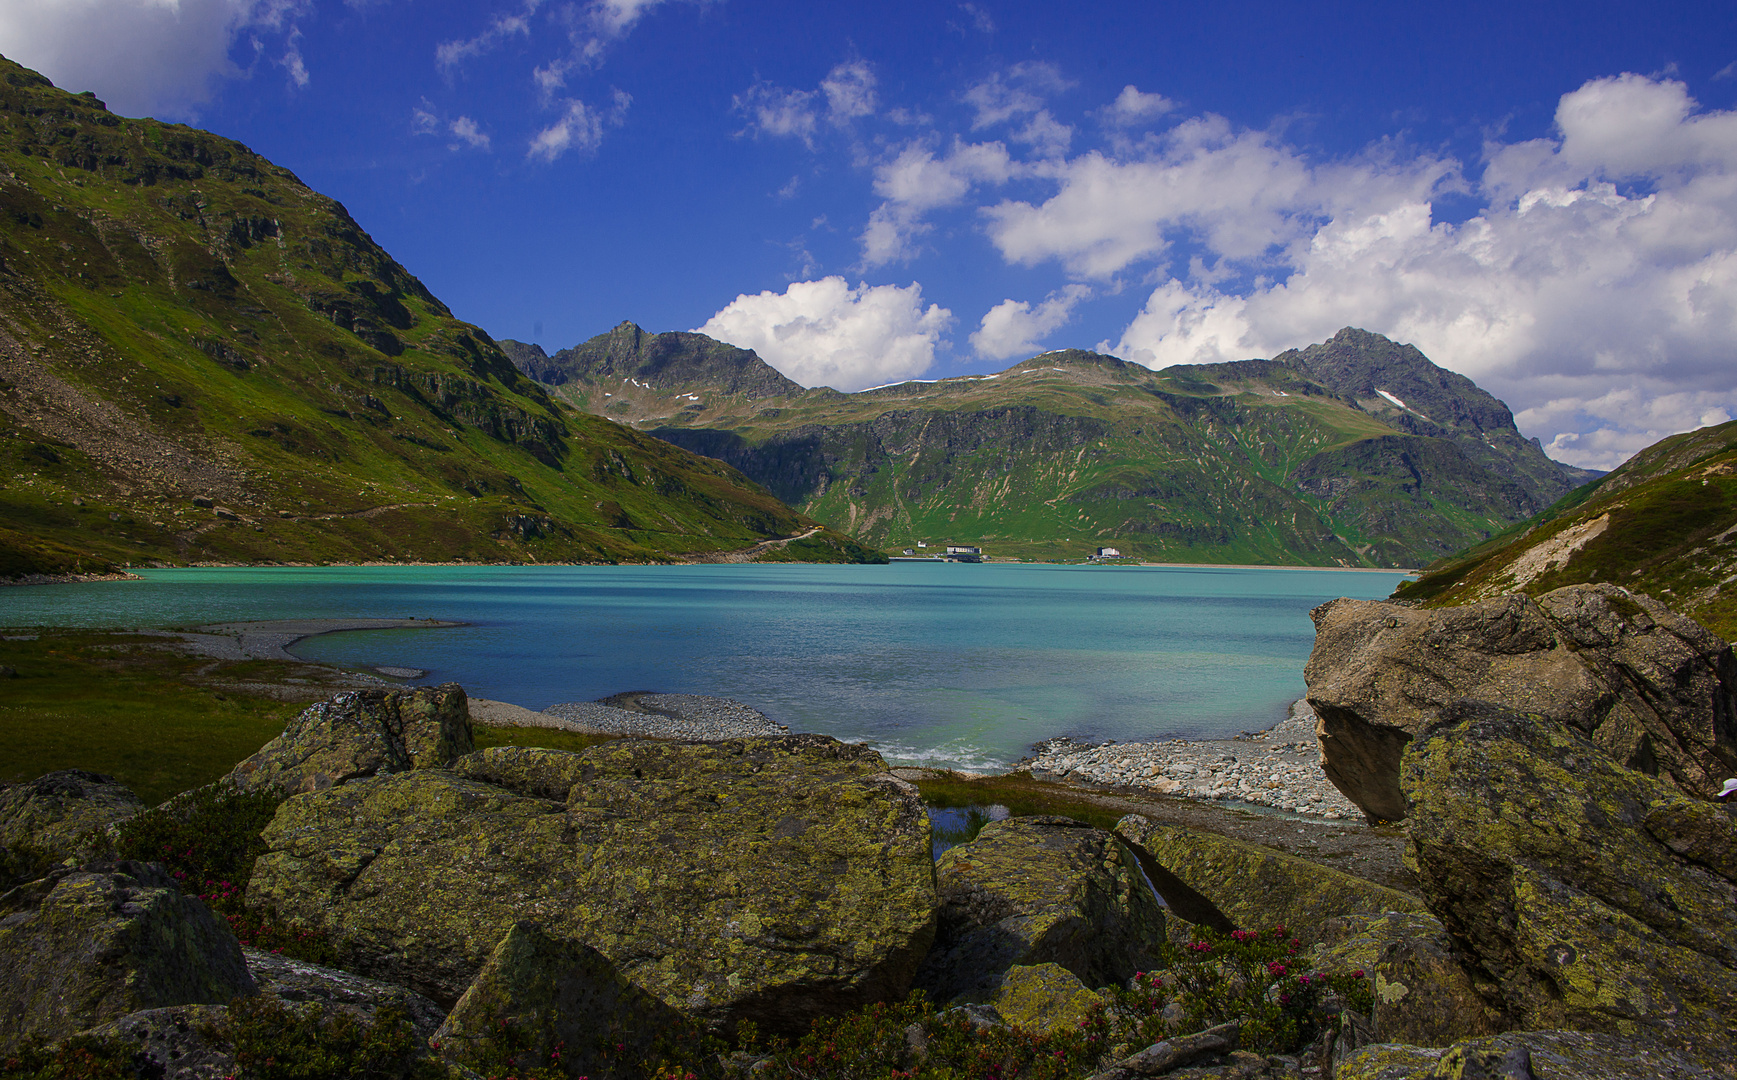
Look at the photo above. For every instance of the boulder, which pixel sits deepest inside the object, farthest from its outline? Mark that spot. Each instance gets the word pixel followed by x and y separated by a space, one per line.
pixel 1529 1055
pixel 362 733
pixel 1423 994
pixel 1558 872
pixel 177 1042
pixel 772 880
pixel 1657 691
pixel 1257 888
pixel 1035 890
pixel 81 947
pixel 299 984
pixel 567 1005
pixel 1041 998
pixel 50 819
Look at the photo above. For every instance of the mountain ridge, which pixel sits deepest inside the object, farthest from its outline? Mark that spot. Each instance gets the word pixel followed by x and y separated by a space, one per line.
pixel 1160 467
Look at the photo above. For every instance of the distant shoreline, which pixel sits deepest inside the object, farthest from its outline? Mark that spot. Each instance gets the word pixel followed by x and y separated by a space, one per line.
pixel 133 575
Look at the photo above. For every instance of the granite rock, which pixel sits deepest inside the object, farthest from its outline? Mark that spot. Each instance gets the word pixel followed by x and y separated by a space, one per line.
pixel 50 819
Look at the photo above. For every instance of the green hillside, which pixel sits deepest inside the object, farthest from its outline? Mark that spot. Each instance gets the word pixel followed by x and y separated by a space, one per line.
pixel 203 360
pixel 1664 524
pixel 1296 460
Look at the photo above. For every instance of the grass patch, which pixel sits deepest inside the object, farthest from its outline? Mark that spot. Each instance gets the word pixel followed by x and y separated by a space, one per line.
pixel 122 704
pixel 1022 795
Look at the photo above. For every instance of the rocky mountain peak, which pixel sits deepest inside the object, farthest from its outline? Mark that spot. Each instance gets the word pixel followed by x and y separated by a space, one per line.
pixel 1401 385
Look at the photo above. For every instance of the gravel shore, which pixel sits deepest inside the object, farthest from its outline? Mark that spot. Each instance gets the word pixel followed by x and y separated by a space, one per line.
pixel 1278 768
pixel 662 716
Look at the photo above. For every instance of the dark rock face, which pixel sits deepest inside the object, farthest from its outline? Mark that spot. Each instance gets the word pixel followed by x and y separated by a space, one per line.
pixel 563 995
pixel 42 822
pixel 1656 691
pixel 773 880
pixel 1038 890
pixel 1563 875
pixel 1256 887
pixel 81 947
pixel 178 1042
pixel 298 983
pixel 362 733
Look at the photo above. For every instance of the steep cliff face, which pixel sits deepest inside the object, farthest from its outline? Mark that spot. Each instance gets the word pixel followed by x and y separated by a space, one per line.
pixel 1318 456
pixel 182 320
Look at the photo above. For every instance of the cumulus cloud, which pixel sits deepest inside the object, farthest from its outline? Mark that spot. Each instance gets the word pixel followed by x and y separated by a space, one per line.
pixel 825 333
pixel 846 94
pixel 1018 97
pixel 1015 328
pixel 1603 314
pixel 143 56
pixel 1133 107
pixel 915 182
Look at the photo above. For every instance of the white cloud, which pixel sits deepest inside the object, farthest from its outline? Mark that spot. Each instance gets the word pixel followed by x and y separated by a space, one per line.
pixel 848 93
pixel 469 133
pixel 1020 95
pixel 1133 107
pixel 292 59
pixel 451 54
pixel 141 56
pixel 915 182
pixel 1016 328
pixel 825 333
pixel 579 129
pixel 1604 316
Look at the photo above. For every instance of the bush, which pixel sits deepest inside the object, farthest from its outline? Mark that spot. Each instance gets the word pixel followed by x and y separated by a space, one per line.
pixel 275 1042
pixel 78 1058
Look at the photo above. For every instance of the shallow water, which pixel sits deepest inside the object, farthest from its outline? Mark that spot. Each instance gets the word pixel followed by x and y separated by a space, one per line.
pixel 948 664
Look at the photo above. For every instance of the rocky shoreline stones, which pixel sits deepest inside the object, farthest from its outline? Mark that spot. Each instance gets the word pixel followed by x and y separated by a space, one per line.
pixel 661 716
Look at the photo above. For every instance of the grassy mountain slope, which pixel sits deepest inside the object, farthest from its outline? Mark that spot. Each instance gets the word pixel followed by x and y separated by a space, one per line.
pixel 1665 524
pixel 1281 461
pixel 181 319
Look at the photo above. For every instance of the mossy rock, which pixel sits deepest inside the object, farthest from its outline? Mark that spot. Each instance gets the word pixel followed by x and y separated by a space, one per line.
pixel 1530 1055
pixel 567 1007
pixel 1258 888
pixel 362 733
pixel 56 817
pixel 1035 890
pixel 772 880
pixel 1045 999
pixel 82 947
pixel 1422 993
pixel 1539 854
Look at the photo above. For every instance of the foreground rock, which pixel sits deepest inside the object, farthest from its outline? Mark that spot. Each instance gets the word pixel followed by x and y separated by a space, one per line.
pixel 1591 896
pixel 773 880
pixel 50 819
pixel 1258 888
pixel 1529 1055
pixel 300 984
pixel 359 734
pixel 82 947
pixel 562 997
pixel 1655 691
pixel 1423 994
pixel 1035 890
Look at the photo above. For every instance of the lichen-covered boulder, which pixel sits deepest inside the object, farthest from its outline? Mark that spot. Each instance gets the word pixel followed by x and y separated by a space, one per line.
pixel 177 1042
pixel 362 733
pixel 1655 690
pixel 1423 994
pixel 1034 890
pixel 300 984
pixel 569 1008
pixel 772 880
pixel 47 820
pixel 1256 887
pixel 1530 1055
pixel 1040 998
pixel 81 947
pixel 1544 859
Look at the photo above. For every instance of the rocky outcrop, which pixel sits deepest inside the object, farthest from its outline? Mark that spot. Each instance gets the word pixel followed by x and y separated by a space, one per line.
pixel 1041 998
pixel 1256 887
pixel 300 984
pixel 562 997
pixel 1584 894
pixel 49 819
pixel 1423 995
pixel 1657 692
pixel 359 734
pixel 1528 1055
pixel 177 1042
pixel 1035 890
pixel 81 947
pixel 773 880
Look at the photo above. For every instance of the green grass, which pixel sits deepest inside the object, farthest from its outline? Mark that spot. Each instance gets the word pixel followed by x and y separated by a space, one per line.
pixel 121 704
pixel 1021 794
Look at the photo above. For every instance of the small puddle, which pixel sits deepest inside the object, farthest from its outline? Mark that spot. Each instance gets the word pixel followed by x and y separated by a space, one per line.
pixel 951 826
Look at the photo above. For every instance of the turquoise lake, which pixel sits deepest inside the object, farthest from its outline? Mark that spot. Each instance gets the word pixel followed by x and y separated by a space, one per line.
pixel 946 664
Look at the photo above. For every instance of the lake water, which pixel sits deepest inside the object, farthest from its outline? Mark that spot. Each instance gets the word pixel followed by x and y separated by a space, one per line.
pixel 938 663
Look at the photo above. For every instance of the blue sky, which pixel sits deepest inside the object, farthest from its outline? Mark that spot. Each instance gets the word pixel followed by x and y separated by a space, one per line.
pixel 1541 196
